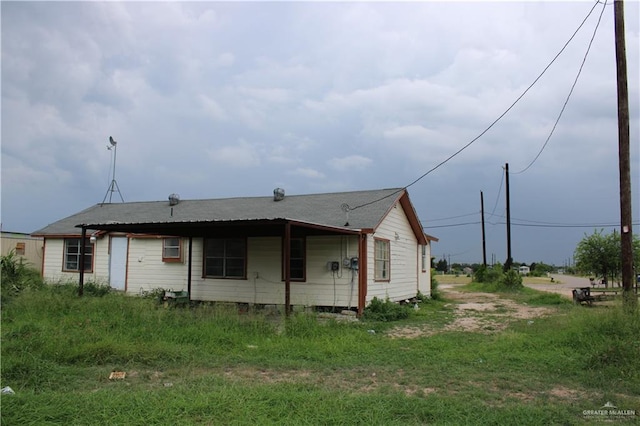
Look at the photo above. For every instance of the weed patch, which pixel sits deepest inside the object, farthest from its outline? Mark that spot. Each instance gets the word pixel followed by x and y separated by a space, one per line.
pixel 379 310
pixel 210 364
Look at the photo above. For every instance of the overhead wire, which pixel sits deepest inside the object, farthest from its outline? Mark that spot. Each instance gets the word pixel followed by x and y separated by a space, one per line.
pixel 453 217
pixel 451 225
pixel 575 81
pixel 538 225
pixel 498 194
pixel 490 125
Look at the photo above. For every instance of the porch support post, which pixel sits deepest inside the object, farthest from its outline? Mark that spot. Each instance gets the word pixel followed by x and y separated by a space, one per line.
pixel 362 273
pixel 190 264
pixel 83 238
pixel 287 268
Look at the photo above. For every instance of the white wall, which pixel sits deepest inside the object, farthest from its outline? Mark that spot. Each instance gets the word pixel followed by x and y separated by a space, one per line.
pixel 146 270
pixel 54 261
pixel 424 277
pixel 403 273
pixel 265 285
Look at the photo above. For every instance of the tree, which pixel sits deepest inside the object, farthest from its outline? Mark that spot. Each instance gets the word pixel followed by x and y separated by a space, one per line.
pixel 599 254
pixel 442 265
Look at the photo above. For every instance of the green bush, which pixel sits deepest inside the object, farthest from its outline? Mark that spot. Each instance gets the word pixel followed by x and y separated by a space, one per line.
pixel 488 275
pixel 17 276
pixel 435 293
pixel 511 280
pixel 379 310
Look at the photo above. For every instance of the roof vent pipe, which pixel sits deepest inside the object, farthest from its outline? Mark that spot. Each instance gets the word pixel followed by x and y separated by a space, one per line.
pixel 174 199
pixel 278 194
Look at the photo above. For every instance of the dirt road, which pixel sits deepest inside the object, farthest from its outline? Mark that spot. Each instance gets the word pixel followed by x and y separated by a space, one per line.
pixel 563 284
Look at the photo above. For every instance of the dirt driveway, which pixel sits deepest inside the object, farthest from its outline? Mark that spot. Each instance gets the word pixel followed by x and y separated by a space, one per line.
pixel 475 312
pixel 487 312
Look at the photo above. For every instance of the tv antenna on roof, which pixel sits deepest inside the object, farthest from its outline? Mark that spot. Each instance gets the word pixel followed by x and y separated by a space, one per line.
pixel 113 186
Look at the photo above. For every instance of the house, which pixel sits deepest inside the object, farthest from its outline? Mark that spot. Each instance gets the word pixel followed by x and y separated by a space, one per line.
pixel 26 248
pixel 524 270
pixel 322 250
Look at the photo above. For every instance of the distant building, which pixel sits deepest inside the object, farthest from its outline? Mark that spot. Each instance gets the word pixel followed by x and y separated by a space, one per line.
pixel 27 248
pixel 524 270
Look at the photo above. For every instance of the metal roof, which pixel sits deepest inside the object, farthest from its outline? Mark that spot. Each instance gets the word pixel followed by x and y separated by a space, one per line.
pixel 323 210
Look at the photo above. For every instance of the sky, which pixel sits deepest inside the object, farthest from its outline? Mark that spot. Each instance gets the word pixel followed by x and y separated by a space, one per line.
pixel 234 99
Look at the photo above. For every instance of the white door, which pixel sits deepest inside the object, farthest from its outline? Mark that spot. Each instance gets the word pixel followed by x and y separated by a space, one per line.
pixel 118 262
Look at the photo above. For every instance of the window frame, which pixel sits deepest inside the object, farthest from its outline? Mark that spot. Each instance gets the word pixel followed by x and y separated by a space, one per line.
pixel 303 259
pixel 21 248
pixel 224 259
pixel 89 249
pixel 377 273
pixel 171 259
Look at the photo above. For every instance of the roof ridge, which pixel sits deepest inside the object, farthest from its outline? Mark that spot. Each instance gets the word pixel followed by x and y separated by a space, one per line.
pixel 255 197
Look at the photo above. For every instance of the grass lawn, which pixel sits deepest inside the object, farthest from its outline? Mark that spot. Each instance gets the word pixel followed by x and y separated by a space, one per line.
pixel 214 365
pixel 452 279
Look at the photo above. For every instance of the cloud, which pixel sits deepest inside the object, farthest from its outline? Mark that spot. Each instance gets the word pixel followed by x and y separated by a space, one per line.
pixel 350 163
pixel 226 59
pixel 243 155
pixel 213 108
pixel 301 95
pixel 307 173
pixel 266 95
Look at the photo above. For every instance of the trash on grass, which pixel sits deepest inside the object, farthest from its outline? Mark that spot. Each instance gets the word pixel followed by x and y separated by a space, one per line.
pixel 117 375
pixel 7 391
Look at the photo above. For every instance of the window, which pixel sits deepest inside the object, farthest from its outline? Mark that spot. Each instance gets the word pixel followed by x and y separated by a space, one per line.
pixel 225 257
pixel 297 255
pixel 171 250
pixel 72 255
pixel 424 258
pixel 382 256
pixel 20 249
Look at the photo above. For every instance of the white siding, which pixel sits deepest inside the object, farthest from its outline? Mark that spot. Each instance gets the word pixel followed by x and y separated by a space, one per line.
pixel 403 275
pixel 424 277
pixel 100 260
pixel 265 285
pixel 147 271
pixel 54 261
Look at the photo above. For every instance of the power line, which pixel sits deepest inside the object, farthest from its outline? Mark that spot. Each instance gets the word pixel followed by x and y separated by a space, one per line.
pixel 575 81
pixel 451 225
pixel 498 194
pixel 490 125
pixel 595 225
pixel 453 217
pixel 536 225
pixel 555 223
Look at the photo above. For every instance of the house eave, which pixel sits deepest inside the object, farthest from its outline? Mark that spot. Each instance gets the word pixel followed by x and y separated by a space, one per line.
pixel 256 227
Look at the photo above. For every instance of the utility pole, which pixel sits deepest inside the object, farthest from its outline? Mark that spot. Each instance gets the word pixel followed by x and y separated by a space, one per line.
pixel 507 265
pixel 484 242
pixel 630 300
